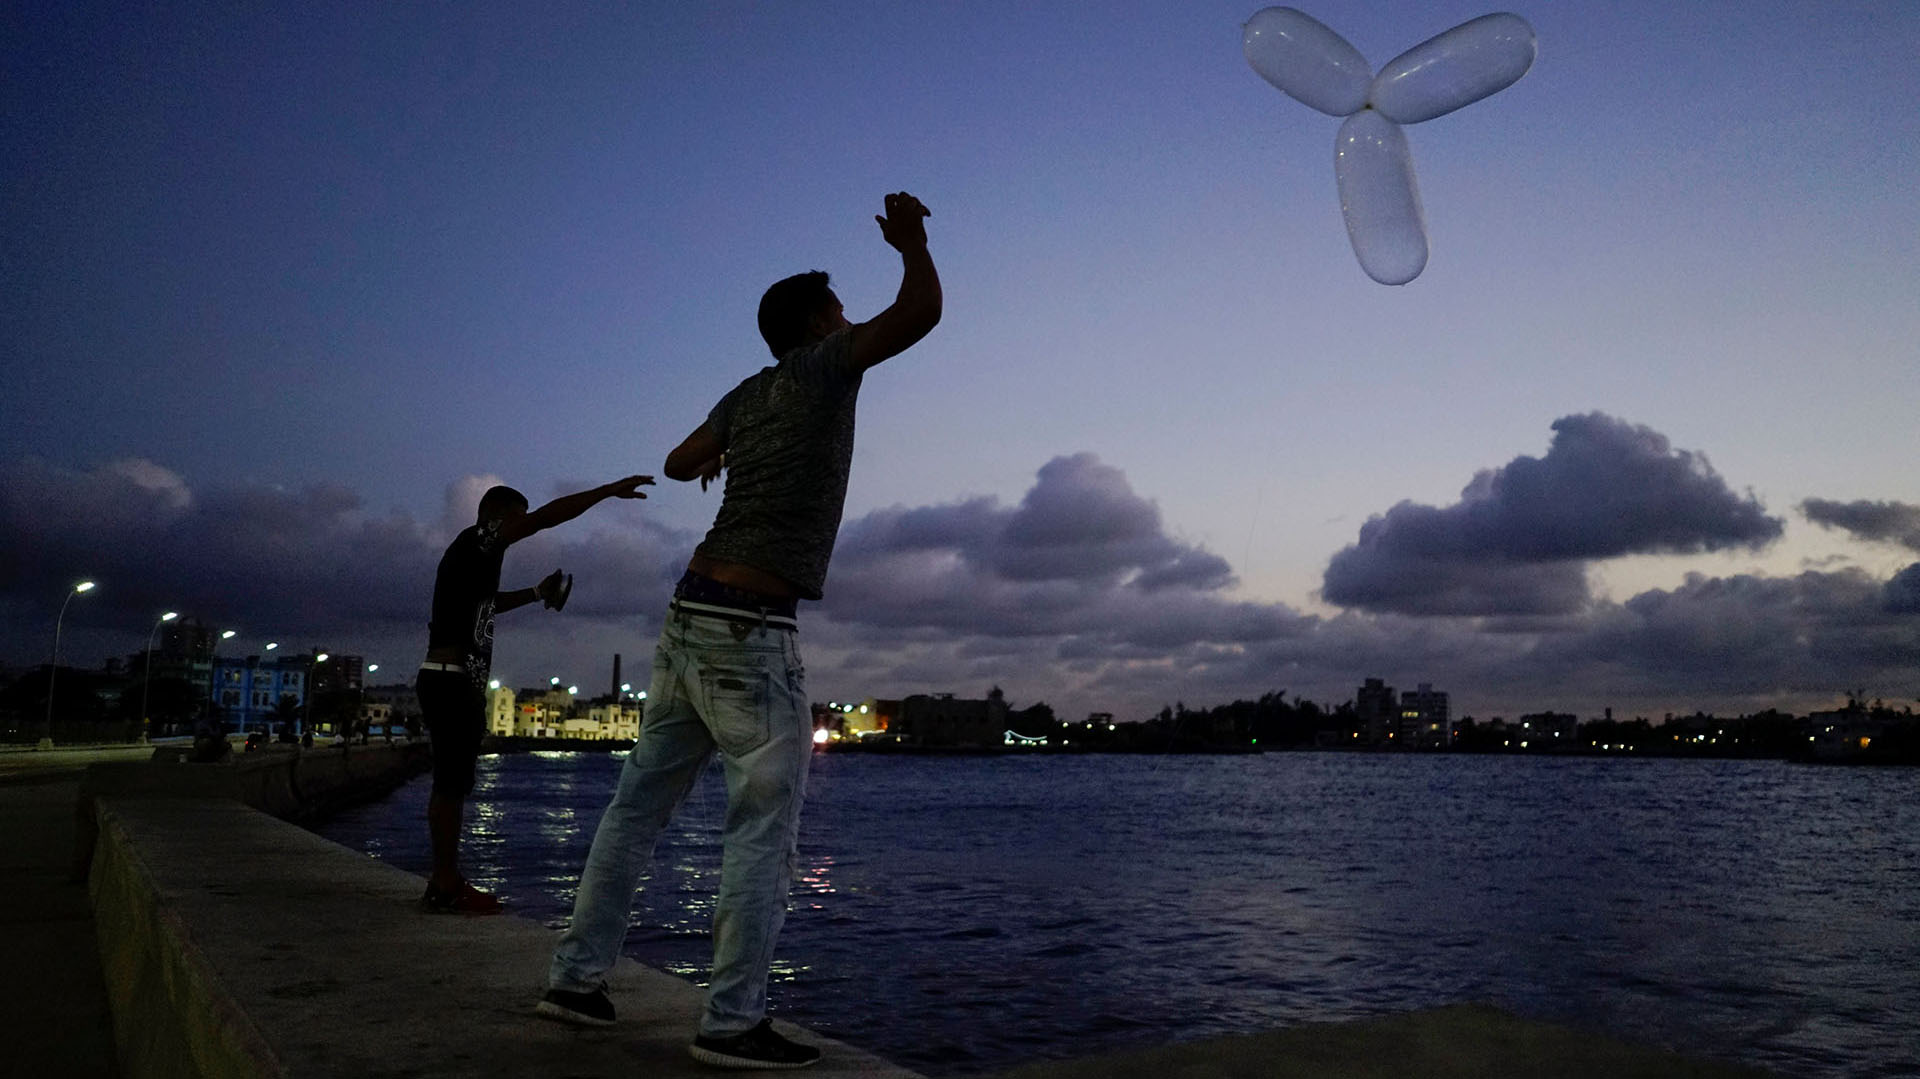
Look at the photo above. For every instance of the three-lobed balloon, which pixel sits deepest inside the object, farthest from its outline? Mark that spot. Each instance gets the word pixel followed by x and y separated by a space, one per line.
pixel 1306 61
pixel 1373 167
pixel 1448 71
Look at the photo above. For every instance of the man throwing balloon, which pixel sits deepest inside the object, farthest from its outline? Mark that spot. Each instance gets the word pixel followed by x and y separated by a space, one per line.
pixel 726 671
pixel 453 679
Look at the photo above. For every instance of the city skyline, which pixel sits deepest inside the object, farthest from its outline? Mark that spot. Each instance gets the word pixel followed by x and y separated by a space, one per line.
pixel 289 290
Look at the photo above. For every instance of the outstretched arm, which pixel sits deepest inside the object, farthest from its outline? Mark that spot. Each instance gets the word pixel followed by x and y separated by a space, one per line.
pixel 567 507
pixel 916 308
pixel 700 455
pixel 552 588
pixel 519 597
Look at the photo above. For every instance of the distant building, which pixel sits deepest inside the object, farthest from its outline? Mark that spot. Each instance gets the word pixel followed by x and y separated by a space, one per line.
pixel 254 694
pixel 850 721
pixel 1425 719
pixel 1544 732
pixel 612 718
pixel 947 722
pixel 401 698
pixel 338 674
pixel 1376 710
pixel 184 652
pixel 542 712
pixel 1844 734
pixel 501 710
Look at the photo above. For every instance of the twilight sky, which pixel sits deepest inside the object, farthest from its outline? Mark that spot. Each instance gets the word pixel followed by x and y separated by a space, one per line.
pixel 283 292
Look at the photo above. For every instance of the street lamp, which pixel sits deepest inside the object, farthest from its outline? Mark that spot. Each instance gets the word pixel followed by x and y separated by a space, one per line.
pixel 306 713
pixel 271 645
pixel 146 679
pixel 54 669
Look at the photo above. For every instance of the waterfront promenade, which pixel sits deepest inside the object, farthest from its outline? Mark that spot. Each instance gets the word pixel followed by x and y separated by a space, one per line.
pixel 234 943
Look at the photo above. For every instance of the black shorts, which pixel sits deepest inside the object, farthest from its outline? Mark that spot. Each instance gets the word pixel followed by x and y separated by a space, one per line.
pixel 455 711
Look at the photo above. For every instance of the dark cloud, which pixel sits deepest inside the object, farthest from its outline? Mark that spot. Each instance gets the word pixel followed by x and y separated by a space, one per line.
pixel 308 562
pixel 1517 541
pixel 1080 525
pixel 955 597
pixel 1081 554
pixel 1902 593
pixel 1882 522
pixel 1746 635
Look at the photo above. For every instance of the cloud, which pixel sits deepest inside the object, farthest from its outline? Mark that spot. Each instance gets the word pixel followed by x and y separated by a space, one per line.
pixel 1081 554
pixel 1902 593
pixel 1747 636
pixel 1881 522
pixel 1080 594
pixel 306 562
pixel 1518 540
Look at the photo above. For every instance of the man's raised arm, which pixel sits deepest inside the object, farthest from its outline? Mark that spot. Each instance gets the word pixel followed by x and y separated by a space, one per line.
pixel 701 454
pixel 916 309
pixel 567 507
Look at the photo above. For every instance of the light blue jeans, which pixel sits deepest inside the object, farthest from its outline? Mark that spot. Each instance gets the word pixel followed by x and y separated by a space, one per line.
pixel 717 684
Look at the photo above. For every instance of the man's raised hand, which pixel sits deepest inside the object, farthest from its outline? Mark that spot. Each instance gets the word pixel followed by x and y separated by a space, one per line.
pixel 554 589
pixel 904 226
pixel 629 487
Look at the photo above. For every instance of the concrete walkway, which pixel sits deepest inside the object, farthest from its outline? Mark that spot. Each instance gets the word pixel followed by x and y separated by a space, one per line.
pixel 255 948
pixel 53 996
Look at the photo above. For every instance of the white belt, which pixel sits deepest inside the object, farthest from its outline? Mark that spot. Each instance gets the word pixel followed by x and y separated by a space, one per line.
pixel 735 614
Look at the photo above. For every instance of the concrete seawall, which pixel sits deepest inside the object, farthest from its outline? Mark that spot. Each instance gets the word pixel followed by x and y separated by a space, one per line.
pixel 235 944
pixel 287 782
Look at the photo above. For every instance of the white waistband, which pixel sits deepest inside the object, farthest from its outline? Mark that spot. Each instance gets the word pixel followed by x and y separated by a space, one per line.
pixel 734 614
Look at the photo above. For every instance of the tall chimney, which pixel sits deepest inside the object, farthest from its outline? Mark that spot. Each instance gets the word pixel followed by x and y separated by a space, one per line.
pixel 616 676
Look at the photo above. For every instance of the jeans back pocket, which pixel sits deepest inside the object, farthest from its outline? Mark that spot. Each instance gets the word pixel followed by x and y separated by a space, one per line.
pixel 736 709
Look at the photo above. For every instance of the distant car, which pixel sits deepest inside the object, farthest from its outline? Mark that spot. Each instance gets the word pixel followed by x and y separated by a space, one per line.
pixel 256 739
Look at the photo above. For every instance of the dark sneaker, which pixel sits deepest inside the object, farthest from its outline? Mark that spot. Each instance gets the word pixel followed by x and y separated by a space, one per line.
pixel 758 1049
pixel 581 1009
pixel 465 899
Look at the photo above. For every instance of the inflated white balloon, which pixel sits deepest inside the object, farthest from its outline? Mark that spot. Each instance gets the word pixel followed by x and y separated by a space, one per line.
pixel 1306 61
pixel 1379 198
pixel 1459 67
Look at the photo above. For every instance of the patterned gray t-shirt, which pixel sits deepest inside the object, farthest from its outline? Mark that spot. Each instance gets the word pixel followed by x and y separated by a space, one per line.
pixel 788 433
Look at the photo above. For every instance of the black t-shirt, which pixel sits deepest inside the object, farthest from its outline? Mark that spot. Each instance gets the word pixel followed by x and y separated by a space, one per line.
pixel 463 595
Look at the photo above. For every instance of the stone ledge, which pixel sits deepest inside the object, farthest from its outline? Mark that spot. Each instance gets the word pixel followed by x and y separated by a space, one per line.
pixel 238 945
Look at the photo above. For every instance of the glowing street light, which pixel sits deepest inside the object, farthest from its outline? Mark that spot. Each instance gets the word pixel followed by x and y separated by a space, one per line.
pixel 271 645
pixel 372 667
pixel 306 712
pixel 54 670
pixel 146 678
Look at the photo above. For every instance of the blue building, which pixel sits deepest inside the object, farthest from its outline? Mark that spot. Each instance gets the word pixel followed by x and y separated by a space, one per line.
pixel 247 693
